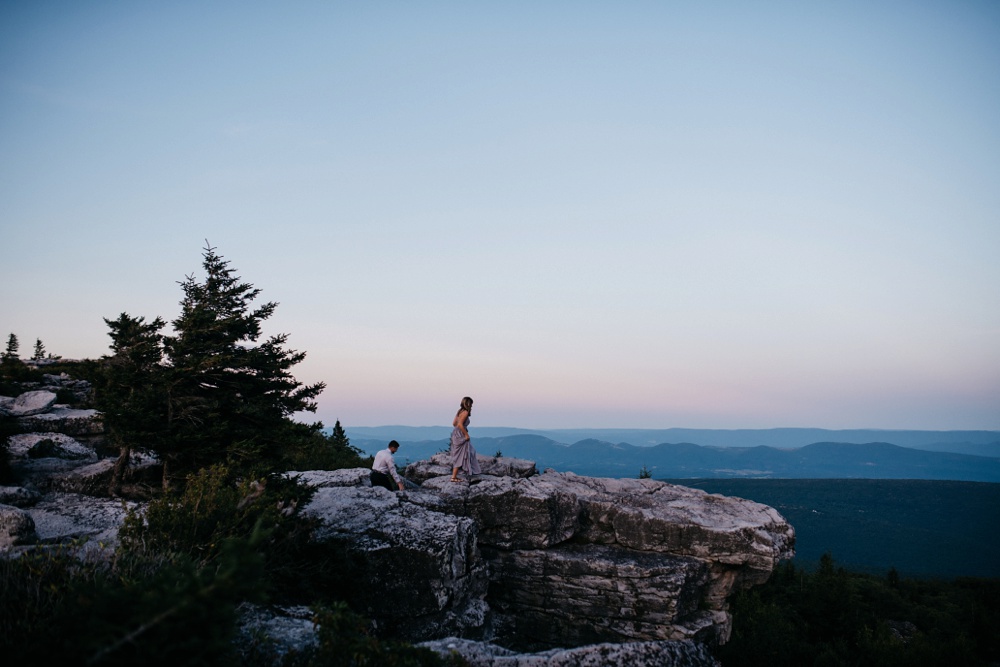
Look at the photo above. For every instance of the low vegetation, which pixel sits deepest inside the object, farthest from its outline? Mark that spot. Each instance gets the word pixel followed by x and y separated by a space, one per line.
pixel 832 617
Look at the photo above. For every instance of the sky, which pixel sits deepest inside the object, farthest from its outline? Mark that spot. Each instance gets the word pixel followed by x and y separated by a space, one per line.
pixel 581 214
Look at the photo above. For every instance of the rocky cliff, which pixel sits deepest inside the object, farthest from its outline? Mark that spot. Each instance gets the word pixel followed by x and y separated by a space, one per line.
pixel 538 561
pixel 516 567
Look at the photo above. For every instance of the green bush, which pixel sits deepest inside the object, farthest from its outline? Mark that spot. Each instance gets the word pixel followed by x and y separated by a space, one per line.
pixel 216 505
pixel 55 609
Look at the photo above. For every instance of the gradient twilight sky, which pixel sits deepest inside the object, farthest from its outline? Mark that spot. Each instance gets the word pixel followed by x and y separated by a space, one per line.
pixel 581 214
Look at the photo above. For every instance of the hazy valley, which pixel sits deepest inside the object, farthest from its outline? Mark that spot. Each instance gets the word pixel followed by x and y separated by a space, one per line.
pixel 972 456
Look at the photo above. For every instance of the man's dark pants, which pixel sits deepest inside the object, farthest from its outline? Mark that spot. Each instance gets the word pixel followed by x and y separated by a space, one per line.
pixel 381 479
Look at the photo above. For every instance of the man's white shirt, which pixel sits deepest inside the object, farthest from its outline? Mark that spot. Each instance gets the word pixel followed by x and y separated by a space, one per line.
pixel 385 464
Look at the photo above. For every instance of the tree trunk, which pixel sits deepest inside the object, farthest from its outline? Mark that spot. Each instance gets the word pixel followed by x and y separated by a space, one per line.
pixel 166 474
pixel 118 472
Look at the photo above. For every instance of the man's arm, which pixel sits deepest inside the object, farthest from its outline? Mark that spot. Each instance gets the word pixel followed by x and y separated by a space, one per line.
pixel 395 475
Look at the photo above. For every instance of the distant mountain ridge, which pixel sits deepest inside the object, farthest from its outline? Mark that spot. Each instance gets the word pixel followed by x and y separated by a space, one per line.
pixel 979 443
pixel 820 460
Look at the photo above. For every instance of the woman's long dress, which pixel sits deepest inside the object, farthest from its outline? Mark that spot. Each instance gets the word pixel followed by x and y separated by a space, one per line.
pixel 463 456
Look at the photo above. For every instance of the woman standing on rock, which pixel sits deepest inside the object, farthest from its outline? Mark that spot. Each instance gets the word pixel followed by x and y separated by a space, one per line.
pixel 463 456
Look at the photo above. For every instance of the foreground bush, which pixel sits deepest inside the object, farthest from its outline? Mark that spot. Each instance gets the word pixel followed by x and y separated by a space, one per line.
pixel 56 610
pixel 171 594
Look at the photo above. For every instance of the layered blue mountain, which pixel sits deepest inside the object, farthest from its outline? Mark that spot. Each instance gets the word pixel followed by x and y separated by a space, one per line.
pixel 873 459
pixel 979 443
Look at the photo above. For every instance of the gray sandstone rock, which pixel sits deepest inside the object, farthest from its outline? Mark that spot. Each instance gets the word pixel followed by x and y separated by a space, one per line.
pixel 94 479
pixel 577 594
pixel 18 496
pixel 65 420
pixel 31 403
pixel 322 478
pixel 61 518
pixel 37 458
pixel 511 512
pixel 577 560
pixel 49 445
pixel 648 515
pixel 632 654
pixel 16 527
pixel 283 629
pixel 422 571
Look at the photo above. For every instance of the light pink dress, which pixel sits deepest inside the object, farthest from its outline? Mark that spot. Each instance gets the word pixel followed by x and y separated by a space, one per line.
pixel 463 456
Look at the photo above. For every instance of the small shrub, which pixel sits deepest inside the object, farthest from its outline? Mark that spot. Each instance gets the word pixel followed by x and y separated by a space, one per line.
pixel 344 640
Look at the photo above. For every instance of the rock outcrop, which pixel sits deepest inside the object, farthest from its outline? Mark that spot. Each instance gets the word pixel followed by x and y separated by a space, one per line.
pixel 29 403
pixel 515 568
pixel 569 560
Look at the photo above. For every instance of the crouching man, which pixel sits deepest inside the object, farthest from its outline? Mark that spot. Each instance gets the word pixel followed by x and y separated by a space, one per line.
pixel 384 468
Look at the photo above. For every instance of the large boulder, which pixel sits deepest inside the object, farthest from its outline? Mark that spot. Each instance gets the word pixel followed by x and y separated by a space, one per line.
pixel 30 403
pixel 37 458
pixel 143 474
pixel 578 594
pixel 647 515
pixel 63 419
pixel 48 444
pixel 18 496
pixel 511 512
pixel 421 570
pixel 571 560
pixel 16 527
pixel 542 537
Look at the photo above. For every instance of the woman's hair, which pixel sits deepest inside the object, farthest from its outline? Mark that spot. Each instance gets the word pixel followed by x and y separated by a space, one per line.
pixel 466 405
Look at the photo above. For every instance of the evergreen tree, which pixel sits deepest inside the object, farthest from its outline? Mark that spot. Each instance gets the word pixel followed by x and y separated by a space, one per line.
pixel 339 439
pixel 231 395
pixel 342 454
pixel 131 391
pixel 39 350
pixel 11 366
pixel 308 448
pixel 12 348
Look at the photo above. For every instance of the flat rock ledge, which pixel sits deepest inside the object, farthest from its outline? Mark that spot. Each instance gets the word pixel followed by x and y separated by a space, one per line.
pixel 27 404
pixel 633 654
